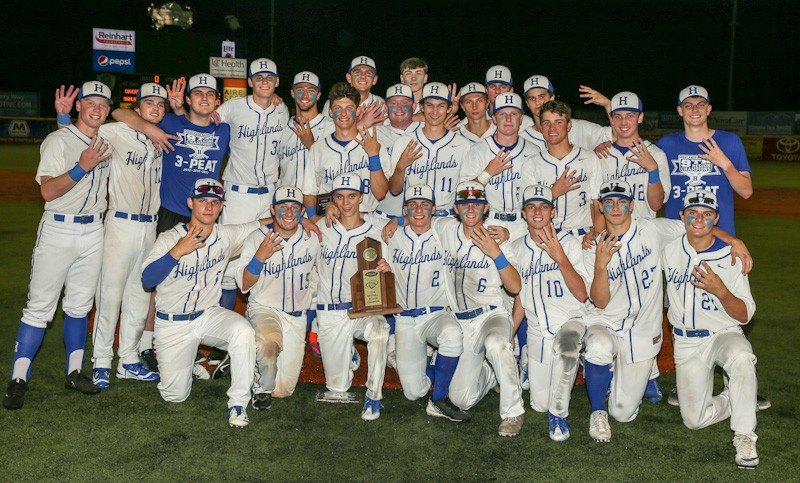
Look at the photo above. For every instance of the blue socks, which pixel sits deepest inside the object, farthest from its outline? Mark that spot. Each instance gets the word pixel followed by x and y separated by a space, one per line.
pixel 390 321
pixel 228 299
pixel 443 374
pixel 29 339
pixel 598 381
pixel 75 341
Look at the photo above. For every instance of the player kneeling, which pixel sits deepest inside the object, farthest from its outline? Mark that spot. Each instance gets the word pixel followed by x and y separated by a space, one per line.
pixel 709 301
pixel 552 296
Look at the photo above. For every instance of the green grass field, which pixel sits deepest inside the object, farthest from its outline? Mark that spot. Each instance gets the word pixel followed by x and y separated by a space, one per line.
pixel 129 433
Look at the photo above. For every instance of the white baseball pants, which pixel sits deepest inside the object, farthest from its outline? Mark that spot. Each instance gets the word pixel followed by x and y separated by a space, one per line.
pixel 280 344
pixel 553 366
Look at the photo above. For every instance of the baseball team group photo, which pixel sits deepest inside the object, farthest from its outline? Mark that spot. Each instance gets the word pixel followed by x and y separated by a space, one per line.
pixel 401 272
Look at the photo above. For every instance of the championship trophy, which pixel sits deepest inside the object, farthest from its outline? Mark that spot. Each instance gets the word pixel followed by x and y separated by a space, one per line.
pixel 372 291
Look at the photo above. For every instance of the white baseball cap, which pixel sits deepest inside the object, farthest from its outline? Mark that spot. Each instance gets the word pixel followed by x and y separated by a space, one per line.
pixel 436 90
pixel 498 74
pixel 347 181
pixel 418 192
pixel 626 101
pixel 539 81
pixel 201 80
pixel 401 90
pixel 208 188
pixel 701 197
pixel 471 88
pixel 537 192
pixel 151 89
pixel 693 91
pixel 470 192
pixel 509 99
pixel 616 188
pixel 263 66
pixel 287 194
pixel 95 89
pixel 362 60
pixel 308 78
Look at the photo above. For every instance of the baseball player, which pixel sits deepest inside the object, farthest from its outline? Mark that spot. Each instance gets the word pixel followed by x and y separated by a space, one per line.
pixel 362 76
pixel 73 174
pixel 504 163
pixel 499 81
pixel 417 260
pixel 431 155
pixel 474 100
pixel 553 291
pixel 709 302
pixel 478 273
pixel 337 330
pixel 345 151
pixel 277 263
pixel 414 74
pixel 186 265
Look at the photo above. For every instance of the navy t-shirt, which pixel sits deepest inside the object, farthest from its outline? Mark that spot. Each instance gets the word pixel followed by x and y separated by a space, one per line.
pixel 688 172
pixel 198 154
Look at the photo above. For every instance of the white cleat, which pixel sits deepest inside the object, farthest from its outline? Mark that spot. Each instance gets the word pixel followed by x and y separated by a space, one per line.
pixel 341 397
pixel 599 429
pixel 746 455
pixel 237 417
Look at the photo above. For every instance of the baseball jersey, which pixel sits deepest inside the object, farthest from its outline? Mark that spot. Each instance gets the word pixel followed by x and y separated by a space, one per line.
pixel 584 134
pixel 387 135
pixel 294 154
pixel 544 294
pixel 195 283
pixel 504 190
pixel 60 152
pixel 135 178
pixel 618 166
pixel 634 310
pixel 693 308
pixel 474 137
pixel 255 141
pixel 198 154
pixel 439 166
pixel 573 209
pixel 338 262
pixel 285 280
pixel 691 172
pixel 370 99
pixel 328 159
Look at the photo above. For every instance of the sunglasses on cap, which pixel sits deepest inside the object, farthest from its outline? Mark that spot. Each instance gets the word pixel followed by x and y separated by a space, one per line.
pixel 470 195
pixel 613 189
pixel 205 188
pixel 700 200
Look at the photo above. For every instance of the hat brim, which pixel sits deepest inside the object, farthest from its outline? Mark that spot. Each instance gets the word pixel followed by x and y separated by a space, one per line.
pixel 209 195
pixel 628 109
pixel 419 198
pixel 616 195
pixel 529 200
pixel 446 99
pixel 464 202
pixel 357 190
pixel 704 205
pixel 287 200
pixel 505 83
pixel 96 95
pixel 265 72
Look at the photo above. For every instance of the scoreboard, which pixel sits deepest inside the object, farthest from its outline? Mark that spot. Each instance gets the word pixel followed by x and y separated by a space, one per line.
pixel 130 83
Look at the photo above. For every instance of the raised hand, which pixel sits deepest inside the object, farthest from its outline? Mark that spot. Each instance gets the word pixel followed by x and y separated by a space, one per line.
pixel 369 142
pixel 714 154
pixel 452 122
pixel 499 163
pixel 606 248
pixel 603 149
pixel 708 280
pixel 271 244
pixel 482 239
pixel 65 99
pixel 303 131
pixel 411 153
pixel 97 151
pixel 190 242
pixel 594 97
pixel 565 183
pixel 641 156
pixel 548 241
pixel 388 230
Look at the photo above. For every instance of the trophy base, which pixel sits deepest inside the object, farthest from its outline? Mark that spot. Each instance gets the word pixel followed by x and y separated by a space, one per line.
pixel 366 312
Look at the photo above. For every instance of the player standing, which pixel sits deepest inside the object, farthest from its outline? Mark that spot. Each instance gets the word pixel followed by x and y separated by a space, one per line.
pixel 414 74
pixel 474 100
pixel 362 76
pixel 69 244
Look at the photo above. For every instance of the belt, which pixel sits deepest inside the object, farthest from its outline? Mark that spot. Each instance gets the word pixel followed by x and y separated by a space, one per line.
pixel 259 190
pixel 443 212
pixel 581 231
pixel 136 217
pixel 471 314
pixel 505 216
pixel 691 333
pixel 80 219
pixel 296 313
pixel 179 317
pixel 343 306
pixel 420 311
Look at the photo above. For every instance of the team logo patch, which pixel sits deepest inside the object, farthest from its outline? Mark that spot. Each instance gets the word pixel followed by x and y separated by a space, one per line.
pixel 693 167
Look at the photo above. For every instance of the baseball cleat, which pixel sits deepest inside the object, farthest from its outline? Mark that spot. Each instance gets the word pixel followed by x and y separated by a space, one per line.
pixel 199 371
pixel 15 394
pixel 101 377
pixel 262 401
pixel 337 397
pixel 148 357
pixel 443 408
pixel 746 455
pixel 136 371
pixel 559 428
pixel 652 393
pixel 77 381
pixel 223 368
pixel 763 403
pixel 237 417
pixel 599 429
pixel 355 361
pixel 672 399
pixel 510 426
pixel 371 410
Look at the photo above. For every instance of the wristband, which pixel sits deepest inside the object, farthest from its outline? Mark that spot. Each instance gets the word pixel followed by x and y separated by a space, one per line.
pixel 63 119
pixel 255 266
pixel 76 173
pixel 375 163
pixel 311 211
pixel 653 176
pixel 501 262
pixel 401 220
pixel 484 178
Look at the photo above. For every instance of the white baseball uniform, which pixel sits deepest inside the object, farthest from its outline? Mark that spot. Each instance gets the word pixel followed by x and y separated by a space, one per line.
pixel 584 134
pixel 130 231
pixel 387 135
pixel 370 99
pixel 294 154
pixel 555 321
pixel 706 336
pixel 188 313
pixel 277 308
pixel 619 166
pixel 627 333
pixel 337 263
pixel 487 358
pixel 474 137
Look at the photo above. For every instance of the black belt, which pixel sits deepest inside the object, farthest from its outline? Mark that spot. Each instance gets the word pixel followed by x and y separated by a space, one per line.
pixel 691 333
pixel 179 317
pixel 420 311
pixel 471 314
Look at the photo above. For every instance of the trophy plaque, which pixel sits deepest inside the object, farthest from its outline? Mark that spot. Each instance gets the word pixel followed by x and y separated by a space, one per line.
pixel 372 291
pixel 323 200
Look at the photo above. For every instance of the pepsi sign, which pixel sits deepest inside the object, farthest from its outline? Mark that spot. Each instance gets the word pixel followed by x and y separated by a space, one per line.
pixel 113 61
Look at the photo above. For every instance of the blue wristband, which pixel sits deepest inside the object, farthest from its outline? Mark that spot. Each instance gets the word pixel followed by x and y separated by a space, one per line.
pixel 63 119
pixel 401 220
pixel 501 262
pixel 375 163
pixel 311 211
pixel 76 173
pixel 653 176
pixel 255 266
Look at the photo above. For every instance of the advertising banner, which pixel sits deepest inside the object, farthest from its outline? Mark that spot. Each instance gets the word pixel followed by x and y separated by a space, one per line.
pixel 786 148
pixel 113 61
pixel 19 103
pixel 116 40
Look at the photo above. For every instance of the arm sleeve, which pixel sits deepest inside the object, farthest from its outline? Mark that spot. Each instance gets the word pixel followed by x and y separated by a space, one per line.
pixel 663 168
pixel 156 271
pixel 224 111
pixel 738 155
